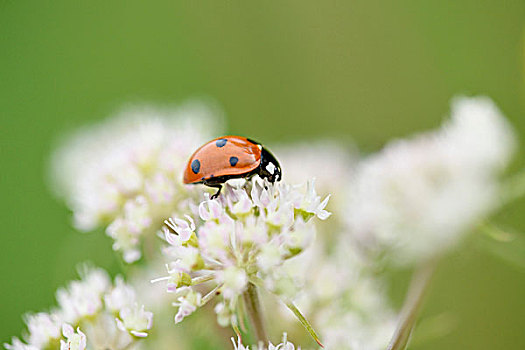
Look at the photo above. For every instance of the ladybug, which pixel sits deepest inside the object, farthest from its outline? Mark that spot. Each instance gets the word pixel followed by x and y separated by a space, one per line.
pixel 230 157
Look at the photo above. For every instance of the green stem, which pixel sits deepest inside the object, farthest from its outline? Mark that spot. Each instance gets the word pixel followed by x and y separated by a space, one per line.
pixel 409 313
pixel 304 322
pixel 253 308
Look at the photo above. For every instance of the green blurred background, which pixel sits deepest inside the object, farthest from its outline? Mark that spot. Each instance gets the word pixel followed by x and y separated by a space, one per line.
pixel 282 70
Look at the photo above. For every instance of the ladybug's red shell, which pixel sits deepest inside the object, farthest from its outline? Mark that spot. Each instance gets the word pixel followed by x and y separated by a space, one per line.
pixel 223 156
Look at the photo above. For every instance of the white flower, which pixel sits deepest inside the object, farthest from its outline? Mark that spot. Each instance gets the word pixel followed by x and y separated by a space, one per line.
pixel 238 345
pixel 210 210
pixel 125 173
pixel 356 315
pixel 243 205
pixel 341 295
pixel 137 215
pixel 43 328
pixel 480 135
pixel 244 237
pixel 285 345
pixel 187 304
pixel 125 241
pixel 225 315
pixel 98 307
pixel 269 257
pixel 418 197
pixel 300 237
pixel 186 258
pixel 136 320
pixel 311 202
pixel 177 276
pixel 234 281
pixel 74 341
pixel 183 229
pixel 119 296
pixel 83 298
pixel 348 331
pixel 17 344
pixel 103 333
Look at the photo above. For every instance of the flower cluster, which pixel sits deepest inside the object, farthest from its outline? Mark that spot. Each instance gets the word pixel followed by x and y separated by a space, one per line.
pixel 411 202
pixel 353 314
pixel 418 197
pixel 243 237
pixel 125 173
pixel 339 289
pixel 342 296
pixel 284 345
pixel 105 316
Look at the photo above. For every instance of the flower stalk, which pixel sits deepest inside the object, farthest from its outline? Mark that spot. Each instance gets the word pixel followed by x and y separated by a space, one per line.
pixel 253 308
pixel 304 322
pixel 412 305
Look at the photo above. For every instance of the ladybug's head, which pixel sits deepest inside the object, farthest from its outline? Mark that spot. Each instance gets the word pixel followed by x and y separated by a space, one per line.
pixel 269 168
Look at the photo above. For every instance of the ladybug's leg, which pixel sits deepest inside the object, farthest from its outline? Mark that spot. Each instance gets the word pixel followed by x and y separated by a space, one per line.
pixel 219 186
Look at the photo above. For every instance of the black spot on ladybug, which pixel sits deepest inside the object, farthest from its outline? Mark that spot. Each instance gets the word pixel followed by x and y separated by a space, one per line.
pixel 196 166
pixel 202 178
pixel 221 142
pixel 233 161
